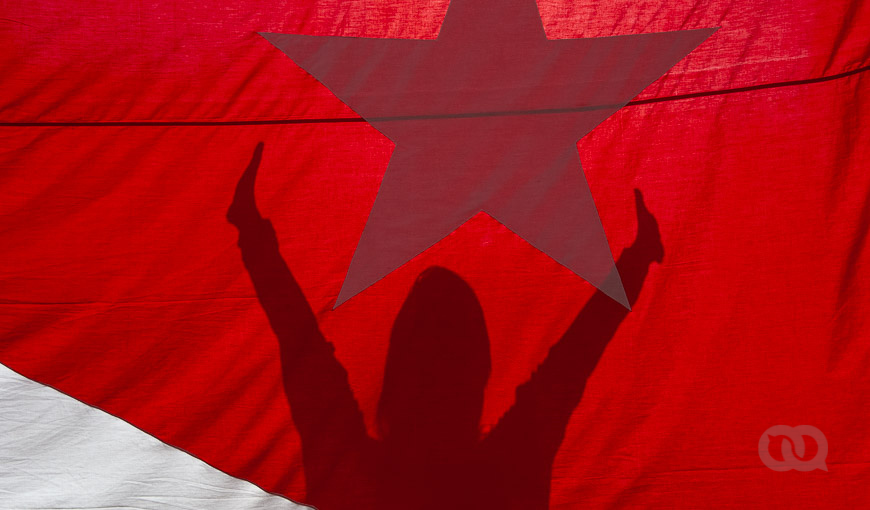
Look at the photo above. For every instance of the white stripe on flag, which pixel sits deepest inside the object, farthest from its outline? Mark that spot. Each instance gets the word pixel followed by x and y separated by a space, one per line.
pixel 56 452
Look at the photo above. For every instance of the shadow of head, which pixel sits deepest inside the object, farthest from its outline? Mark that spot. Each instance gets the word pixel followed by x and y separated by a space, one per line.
pixel 437 366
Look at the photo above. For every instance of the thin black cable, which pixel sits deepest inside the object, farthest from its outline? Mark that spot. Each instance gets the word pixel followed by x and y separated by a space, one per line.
pixel 638 102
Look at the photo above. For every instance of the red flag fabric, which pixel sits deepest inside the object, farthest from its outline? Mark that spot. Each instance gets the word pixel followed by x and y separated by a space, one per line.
pixel 126 130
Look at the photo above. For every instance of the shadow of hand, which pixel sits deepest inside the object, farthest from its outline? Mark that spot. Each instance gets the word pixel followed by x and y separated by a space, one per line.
pixel 649 239
pixel 243 211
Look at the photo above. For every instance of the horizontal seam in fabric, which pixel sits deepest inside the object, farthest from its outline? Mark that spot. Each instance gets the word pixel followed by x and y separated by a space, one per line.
pixel 125 302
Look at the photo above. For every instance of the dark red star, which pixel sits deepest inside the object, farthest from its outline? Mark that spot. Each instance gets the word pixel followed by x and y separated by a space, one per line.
pixel 486 118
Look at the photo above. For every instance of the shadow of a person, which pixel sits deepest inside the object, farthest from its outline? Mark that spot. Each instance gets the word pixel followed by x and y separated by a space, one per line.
pixel 430 453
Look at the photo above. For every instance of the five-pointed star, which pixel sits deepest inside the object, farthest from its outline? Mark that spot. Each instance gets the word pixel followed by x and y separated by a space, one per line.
pixel 486 118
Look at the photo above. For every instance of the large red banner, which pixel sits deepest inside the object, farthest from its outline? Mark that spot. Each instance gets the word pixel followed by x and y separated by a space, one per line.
pixel 126 129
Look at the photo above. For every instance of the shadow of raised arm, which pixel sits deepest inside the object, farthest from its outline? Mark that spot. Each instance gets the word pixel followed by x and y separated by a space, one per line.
pixel 532 430
pixel 322 404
